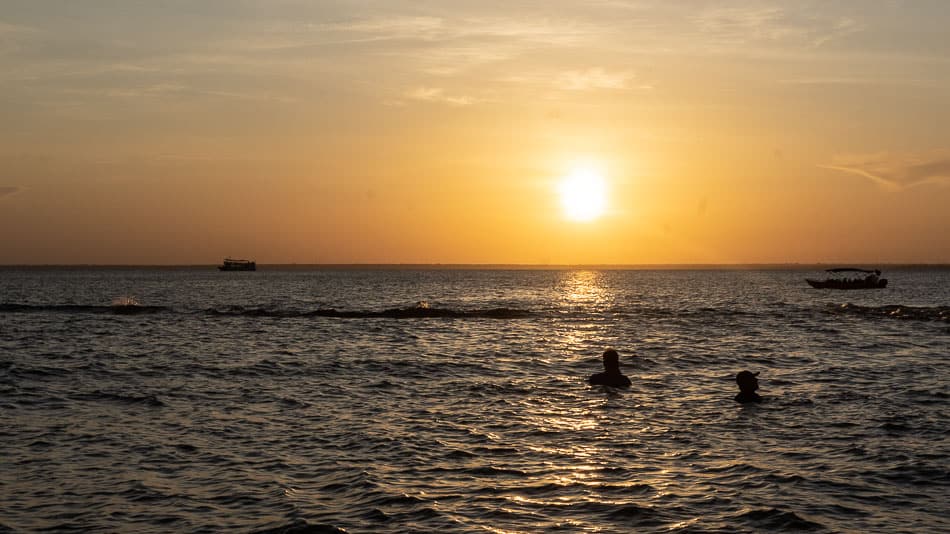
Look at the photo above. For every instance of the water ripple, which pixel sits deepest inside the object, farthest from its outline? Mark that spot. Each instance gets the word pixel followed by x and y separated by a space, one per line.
pixel 336 407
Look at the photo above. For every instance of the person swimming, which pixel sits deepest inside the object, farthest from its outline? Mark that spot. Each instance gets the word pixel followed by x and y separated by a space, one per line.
pixel 611 376
pixel 748 383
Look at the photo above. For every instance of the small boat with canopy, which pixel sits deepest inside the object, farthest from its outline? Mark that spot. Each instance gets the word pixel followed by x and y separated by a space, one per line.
pixel 850 278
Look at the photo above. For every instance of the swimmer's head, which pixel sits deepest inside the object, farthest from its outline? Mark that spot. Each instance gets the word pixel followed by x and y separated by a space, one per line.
pixel 747 381
pixel 611 359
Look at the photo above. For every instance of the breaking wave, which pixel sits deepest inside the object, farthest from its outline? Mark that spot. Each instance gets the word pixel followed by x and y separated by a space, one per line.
pixel 412 312
pixel 423 310
pixel 418 311
pixel 897 311
pixel 80 308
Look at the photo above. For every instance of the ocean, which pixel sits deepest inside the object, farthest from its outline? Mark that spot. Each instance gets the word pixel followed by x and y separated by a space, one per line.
pixel 449 400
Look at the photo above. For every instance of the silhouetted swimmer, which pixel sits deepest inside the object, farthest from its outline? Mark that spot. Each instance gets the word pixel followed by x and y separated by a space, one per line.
pixel 748 383
pixel 611 376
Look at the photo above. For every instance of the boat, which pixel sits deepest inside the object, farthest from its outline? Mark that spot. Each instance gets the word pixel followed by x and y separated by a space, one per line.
pixel 237 265
pixel 126 305
pixel 871 279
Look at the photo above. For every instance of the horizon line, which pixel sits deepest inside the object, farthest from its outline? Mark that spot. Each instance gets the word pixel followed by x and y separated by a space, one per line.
pixel 482 266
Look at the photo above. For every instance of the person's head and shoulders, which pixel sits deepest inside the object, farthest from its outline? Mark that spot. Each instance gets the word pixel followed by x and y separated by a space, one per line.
pixel 748 384
pixel 611 376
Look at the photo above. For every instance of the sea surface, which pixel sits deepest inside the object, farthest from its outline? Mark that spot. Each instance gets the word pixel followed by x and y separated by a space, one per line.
pixel 295 400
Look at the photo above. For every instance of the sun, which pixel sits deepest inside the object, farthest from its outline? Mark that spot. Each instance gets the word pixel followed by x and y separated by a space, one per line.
pixel 583 194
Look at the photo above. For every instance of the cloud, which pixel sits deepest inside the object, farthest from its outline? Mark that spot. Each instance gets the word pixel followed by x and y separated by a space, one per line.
pixel 594 78
pixel 741 26
pixel 448 45
pixel 451 60
pixel 859 81
pixel 173 91
pixel 7 29
pixel 437 94
pixel 7 191
pixel 839 29
pixel 13 37
pixel 897 171
pixel 591 79
pixel 443 30
pixel 385 29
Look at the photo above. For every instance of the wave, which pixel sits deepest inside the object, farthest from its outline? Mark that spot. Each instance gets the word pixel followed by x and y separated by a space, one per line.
pixel 301 526
pixel 79 308
pixel 897 311
pixel 99 395
pixel 772 519
pixel 421 310
pixel 412 312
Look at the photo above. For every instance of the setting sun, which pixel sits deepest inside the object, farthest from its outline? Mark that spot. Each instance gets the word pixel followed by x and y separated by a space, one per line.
pixel 583 195
pixel 566 132
pixel 414 230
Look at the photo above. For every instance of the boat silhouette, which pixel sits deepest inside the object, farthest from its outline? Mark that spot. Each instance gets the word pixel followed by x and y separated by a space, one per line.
pixel 870 280
pixel 237 265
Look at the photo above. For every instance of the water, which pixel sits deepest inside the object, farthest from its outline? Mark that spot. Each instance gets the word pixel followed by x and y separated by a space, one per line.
pixel 449 400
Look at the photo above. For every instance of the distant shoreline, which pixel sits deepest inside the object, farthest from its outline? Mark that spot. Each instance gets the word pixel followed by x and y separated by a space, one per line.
pixel 493 267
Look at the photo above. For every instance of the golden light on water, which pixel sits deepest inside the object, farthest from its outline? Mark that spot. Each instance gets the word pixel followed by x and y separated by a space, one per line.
pixel 585 288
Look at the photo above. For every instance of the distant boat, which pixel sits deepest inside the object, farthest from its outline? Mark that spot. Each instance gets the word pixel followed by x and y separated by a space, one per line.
pixel 870 280
pixel 237 265
pixel 126 305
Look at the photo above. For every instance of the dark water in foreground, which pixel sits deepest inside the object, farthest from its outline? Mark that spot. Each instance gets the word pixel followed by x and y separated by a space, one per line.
pixel 320 400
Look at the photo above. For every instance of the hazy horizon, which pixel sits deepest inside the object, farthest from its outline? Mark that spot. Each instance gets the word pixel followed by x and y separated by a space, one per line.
pixel 490 266
pixel 502 133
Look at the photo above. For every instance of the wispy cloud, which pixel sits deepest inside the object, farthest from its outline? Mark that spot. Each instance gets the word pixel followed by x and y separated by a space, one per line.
pixel 844 80
pixel 439 29
pixel 840 28
pixel 437 94
pixel 13 37
pixel 451 60
pixel 14 29
pixel 580 80
pixel 172 91
pixel 739 26
pixel 450 46
pixel 896 171
pixel 8 190
pixel 594 78
pixel 383 29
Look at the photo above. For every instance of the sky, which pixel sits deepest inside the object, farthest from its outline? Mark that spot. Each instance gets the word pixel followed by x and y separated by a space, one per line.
pixel 365 131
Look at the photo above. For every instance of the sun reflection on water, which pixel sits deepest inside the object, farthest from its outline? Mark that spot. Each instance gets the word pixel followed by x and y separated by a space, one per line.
pixel 557 424
pixel 582 297
pixel 585 288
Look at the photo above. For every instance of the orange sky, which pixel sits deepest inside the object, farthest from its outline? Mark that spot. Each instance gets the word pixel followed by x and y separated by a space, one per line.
pixel 434 132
